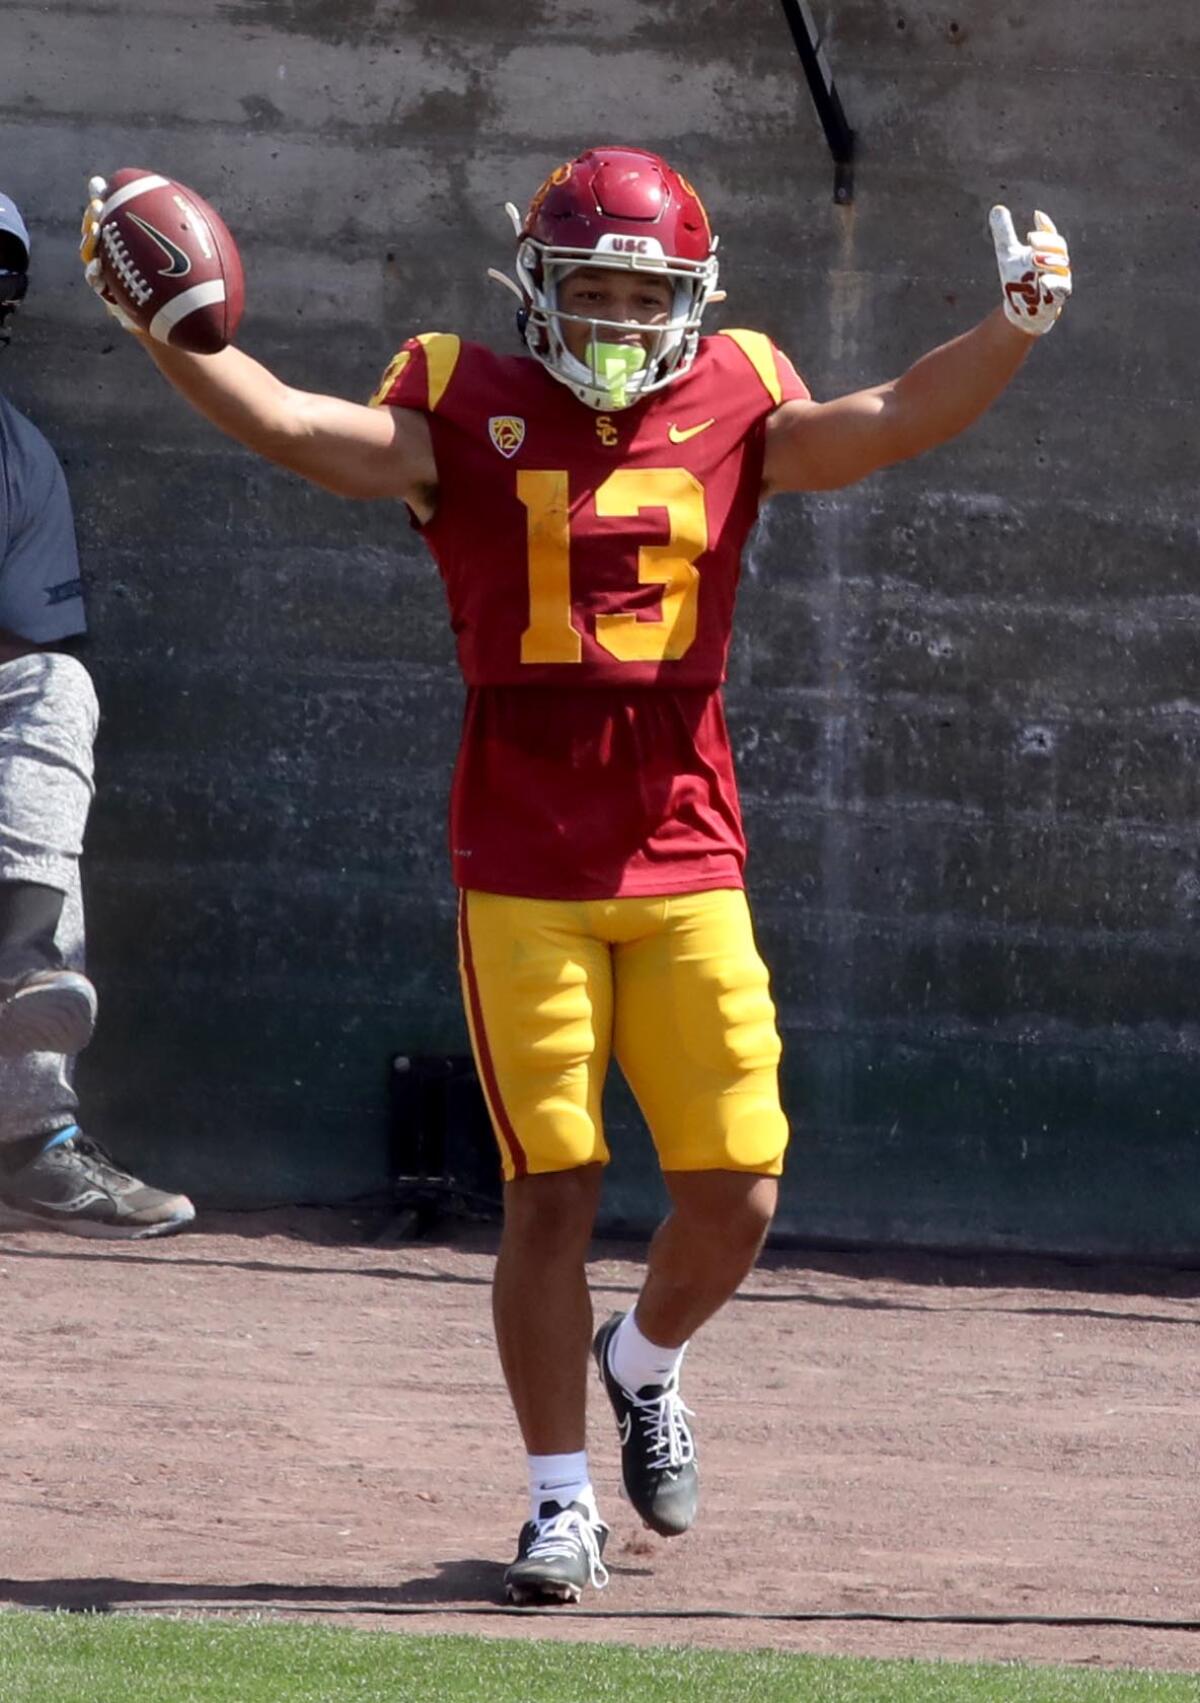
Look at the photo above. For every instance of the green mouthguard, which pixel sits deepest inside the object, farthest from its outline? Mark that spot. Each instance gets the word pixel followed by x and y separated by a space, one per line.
pixel 616 364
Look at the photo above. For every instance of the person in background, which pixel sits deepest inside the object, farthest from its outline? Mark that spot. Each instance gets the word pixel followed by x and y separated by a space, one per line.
pixel 52 1176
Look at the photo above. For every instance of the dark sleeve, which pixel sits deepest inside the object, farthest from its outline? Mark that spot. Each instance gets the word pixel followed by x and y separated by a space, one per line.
pixel 41 595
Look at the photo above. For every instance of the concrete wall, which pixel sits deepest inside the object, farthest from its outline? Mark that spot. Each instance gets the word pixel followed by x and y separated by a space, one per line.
pixel 966 694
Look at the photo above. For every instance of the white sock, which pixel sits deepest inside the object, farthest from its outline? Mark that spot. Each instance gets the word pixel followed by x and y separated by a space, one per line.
pixel 635 1361
pixel 562 1479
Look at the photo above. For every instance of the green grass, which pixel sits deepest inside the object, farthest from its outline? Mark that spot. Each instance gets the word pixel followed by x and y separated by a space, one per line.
pixel 72 1658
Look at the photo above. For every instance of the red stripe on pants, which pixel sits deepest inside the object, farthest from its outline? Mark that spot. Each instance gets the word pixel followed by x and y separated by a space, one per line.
pixel 483 1053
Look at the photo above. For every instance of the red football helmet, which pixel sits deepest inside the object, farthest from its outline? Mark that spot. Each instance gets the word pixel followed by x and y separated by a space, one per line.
pixel 621 208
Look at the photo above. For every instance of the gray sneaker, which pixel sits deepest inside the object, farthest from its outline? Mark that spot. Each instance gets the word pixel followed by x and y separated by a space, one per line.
pixel 658 1452
pixel 74 1186
pixel 46 1011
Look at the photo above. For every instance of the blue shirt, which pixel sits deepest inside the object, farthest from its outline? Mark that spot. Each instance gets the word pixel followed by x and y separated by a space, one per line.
pixel 41 595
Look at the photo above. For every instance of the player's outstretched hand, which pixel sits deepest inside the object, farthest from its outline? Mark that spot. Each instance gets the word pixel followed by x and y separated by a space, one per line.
pixel 97 190
pixel 1035 275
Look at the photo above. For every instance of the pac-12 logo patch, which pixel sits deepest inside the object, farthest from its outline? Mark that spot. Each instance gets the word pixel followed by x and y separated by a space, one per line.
pixel 507 432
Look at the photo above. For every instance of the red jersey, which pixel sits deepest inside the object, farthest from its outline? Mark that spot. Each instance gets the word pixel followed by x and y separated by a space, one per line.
pixel 591 564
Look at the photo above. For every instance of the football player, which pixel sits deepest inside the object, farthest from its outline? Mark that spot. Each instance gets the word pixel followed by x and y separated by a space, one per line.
pixel 587 502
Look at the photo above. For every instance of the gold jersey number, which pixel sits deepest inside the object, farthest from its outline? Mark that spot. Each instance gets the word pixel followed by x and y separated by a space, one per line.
pixel 551 635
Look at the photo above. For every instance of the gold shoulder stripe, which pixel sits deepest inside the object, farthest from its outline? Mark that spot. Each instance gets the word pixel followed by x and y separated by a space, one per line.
pixel 758 351
pixel 441 358
pixel 395 367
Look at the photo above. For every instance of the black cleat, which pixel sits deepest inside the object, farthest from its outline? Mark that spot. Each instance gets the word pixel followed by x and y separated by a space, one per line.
pixel 46 1011
pixel 557 1555
pixel 658 1453
pixel 74 1186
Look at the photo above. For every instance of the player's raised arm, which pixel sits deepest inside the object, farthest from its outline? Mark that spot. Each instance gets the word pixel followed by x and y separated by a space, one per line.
pixel 813 446
pixel 342 446
pixel 184 313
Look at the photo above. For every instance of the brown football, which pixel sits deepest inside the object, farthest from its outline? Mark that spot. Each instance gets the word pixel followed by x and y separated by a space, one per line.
pixel 169 262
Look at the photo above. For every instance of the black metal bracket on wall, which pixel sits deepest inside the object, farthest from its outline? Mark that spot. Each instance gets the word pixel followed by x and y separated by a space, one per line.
pixel 825 96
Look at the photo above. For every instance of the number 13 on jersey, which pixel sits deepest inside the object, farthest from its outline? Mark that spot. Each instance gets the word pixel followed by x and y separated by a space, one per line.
pixel 551 636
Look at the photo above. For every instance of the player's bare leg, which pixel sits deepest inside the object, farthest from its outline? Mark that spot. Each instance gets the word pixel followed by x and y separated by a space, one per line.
pixel 543 1317
pixel 541 1305
pixel 698 1257
pixel 703 1249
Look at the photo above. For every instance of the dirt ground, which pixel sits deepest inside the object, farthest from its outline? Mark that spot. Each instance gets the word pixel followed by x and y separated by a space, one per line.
pixel 282 1414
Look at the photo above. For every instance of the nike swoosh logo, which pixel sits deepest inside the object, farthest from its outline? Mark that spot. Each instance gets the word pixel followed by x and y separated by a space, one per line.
pixel 180 263
pixel 624 1428
pixel 681 434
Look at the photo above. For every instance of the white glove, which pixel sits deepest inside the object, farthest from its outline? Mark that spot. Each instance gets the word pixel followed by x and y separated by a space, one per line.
pixel 1035 274
pixel 89 238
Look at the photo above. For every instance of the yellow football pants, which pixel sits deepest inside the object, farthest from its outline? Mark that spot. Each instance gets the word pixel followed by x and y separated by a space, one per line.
pixel 673 985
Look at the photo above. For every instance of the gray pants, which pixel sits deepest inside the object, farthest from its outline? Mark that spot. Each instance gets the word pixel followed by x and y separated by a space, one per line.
pixel 48 717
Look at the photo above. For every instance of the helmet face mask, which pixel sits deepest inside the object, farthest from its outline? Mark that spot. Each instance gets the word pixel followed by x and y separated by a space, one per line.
pixel 625 210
